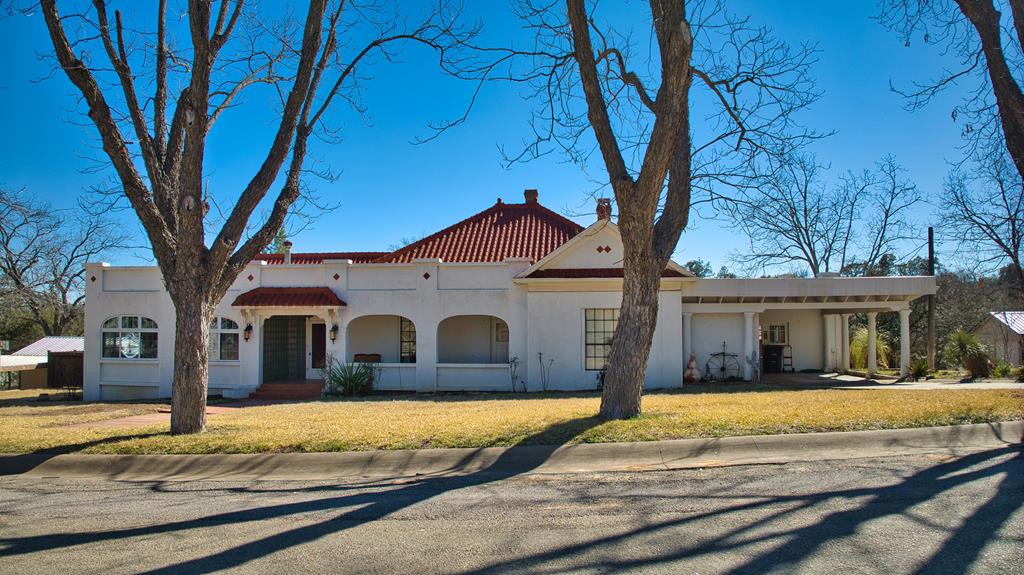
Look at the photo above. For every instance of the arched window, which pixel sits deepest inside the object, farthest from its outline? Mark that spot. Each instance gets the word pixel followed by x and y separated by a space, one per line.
pixel 130 337
pixel 223 343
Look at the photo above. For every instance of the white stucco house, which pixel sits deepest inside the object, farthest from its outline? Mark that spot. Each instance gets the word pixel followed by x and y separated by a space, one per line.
pixel 1002 332
pixel 516 283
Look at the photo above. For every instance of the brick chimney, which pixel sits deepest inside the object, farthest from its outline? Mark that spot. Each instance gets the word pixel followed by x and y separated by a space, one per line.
pixel 604 209
pixel 287 252
pixel 530 195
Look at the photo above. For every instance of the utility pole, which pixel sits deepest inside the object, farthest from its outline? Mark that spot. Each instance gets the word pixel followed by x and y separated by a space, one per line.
pixel 931 301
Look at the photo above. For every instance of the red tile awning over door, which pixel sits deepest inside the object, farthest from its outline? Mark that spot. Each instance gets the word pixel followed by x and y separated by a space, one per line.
pixel 288 297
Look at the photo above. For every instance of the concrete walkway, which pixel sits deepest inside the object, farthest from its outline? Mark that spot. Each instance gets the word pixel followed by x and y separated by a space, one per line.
pixel 643 456
pixel 163 415
pixel 851 381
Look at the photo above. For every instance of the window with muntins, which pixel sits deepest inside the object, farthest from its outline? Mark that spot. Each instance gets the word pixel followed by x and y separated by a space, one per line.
pixel 598 328
pixel 407 339
pixel 223 341
pixel 130 337
pixel 775 334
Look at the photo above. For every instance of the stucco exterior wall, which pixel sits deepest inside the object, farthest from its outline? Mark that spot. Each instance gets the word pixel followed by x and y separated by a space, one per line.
pixel 806 335
pixel 467 339
pixel 375 334
pixel 557 331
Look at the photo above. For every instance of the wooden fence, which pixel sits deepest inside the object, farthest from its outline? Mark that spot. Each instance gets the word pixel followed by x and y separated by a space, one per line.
pixel 64 370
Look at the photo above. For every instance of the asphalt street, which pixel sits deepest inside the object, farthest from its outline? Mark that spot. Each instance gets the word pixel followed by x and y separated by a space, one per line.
pixel 909 514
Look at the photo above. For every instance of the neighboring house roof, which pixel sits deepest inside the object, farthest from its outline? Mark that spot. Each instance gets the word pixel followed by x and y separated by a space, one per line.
pixel 21 362
pixel 593 273
pixel 319 257
pixel 51 343
pixel 288 297
pixel 1011 319
pixel 527 230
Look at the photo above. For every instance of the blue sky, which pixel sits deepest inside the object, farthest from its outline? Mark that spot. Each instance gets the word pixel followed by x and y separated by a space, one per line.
pixel 391 189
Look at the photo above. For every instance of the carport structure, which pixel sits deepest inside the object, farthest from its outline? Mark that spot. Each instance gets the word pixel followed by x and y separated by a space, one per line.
pixel 809 316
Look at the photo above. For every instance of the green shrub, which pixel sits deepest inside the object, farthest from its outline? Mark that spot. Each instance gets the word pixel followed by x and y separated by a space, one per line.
pixel 919 368
pixel 1002 369
pixel 965 349
pixel 347 379
pixel 859 349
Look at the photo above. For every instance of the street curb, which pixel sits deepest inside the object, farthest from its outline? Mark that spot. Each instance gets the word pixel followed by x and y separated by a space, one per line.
pixel 601 457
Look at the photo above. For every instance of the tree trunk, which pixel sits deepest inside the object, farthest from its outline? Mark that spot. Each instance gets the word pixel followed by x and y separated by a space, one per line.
pixel 191 366
pixel 627 363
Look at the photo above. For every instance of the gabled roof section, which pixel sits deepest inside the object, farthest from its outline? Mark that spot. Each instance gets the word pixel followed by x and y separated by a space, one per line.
pixel 609 249
pixel 288 297
pixel 1011 319
pixel 527 230
pixel 52 343
pixel 307 258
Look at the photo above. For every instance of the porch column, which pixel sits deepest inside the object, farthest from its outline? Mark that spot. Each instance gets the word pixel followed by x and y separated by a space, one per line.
pixel 872 340
pixel 844 357
pixel 904 342
pixel 687 338
pixel 830 342
pixel 748 344
pixel 426 355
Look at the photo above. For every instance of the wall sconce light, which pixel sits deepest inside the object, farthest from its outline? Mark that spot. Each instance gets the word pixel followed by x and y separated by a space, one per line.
pixel 334 332
pixel 247 332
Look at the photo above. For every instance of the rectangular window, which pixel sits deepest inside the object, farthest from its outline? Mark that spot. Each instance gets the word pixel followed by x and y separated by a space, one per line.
pixel 598 328
pixel 229 346
pixel 407 338
pixel 110 344
pixel 775 334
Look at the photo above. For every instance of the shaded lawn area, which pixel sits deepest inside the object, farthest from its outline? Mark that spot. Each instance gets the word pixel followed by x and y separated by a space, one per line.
pixel 409 422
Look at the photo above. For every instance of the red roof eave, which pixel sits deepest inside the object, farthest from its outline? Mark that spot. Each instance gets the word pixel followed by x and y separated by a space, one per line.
pixel 288 297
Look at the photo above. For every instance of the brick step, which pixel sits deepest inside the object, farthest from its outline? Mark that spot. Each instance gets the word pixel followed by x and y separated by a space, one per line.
pixel 288 391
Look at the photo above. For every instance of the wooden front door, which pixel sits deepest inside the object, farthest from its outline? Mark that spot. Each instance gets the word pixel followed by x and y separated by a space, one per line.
pixel 318 339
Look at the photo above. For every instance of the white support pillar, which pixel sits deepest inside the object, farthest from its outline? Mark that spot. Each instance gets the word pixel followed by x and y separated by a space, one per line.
pixel 829 324
pixel 687 337
pixel 748 344
pixel 844 347
pixel 872 348
pixel 904 342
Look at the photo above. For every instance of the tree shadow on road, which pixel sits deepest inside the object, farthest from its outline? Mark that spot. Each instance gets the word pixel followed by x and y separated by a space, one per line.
pixel 376 501
pixel 366 507
pixel 956 554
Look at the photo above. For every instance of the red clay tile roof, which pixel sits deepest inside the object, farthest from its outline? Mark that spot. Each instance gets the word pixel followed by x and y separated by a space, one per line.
pixel 502 231
pixel 592 273
pixel 288 297
pixel 319 257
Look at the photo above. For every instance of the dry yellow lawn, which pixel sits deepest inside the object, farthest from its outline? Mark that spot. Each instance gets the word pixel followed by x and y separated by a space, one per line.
pixel 479 421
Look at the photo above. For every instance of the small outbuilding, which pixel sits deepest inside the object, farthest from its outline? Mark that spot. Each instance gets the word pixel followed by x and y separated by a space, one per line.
pixel 31 362
pixel 1002 332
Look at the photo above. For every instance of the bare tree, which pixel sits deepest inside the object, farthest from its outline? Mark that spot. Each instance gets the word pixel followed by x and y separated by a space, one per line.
pixel 154 104
pixel 989 59
pixel 983 211
pixel 796 218
pixel 43 253
pixel 599 89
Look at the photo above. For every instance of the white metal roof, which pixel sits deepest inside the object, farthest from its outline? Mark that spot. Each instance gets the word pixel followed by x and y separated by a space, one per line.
pixel 1011 319
pixel 52 343
pixel 20 362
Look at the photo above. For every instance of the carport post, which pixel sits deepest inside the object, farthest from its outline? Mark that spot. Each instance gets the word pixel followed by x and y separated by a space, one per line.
pixel 748 344
pixel 904 342
pixel 844 357
pixel 872 348
pixel 687 336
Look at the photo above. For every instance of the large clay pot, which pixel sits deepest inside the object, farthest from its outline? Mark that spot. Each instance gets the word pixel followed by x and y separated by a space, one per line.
pixel 692 374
